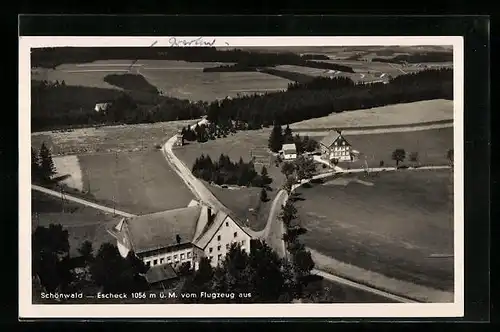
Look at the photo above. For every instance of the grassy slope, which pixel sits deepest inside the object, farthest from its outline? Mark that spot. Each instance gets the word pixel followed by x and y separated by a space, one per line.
pixel 431 146
pixel 139 182
pixel 391 227
pixel 399 114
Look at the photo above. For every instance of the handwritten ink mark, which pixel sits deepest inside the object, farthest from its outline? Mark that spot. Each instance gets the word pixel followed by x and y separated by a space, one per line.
pixel 174 42
pixel 135 61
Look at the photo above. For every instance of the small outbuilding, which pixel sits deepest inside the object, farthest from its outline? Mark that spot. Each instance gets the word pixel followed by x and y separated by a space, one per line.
pixel 289 151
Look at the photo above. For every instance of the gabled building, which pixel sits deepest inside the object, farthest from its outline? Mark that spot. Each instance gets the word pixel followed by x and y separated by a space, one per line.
pixel 179 236
pixel 101 107
pixel 334 147
pixel 289 151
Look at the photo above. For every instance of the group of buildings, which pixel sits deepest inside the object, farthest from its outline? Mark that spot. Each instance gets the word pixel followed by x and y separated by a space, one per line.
pixel 333 148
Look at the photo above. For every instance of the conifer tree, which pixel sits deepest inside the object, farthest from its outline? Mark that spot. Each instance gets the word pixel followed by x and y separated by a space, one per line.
pixel 47 167
pixel 35 165
pixel 276 138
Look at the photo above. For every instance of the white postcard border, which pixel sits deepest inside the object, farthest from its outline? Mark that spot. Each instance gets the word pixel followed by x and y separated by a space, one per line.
pixel 29 310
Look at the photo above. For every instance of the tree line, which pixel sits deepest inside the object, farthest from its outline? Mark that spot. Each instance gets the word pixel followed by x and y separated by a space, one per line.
pixel 249 65
pixel 225 171
pixel 418 57
pixel 42 165
pixel 52 57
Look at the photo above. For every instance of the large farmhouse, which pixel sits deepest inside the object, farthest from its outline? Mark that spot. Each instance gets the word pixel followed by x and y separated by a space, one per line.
pixel 165 240
pixel 334 147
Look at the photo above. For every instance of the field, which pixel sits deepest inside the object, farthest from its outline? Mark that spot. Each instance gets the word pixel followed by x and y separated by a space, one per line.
pixel 180 79
pixel 119 165
pixel 129 138
pixel 244 202
pixel 138 182
pixel 83 223
pixel 399 114
pixel 391 223
pixel 431 146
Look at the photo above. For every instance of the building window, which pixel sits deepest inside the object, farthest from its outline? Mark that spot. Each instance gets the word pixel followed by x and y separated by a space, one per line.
pixel 227 223
pixel 148 263
pixel 162 260
pixel 189 255
pixel 219 257
pixel 243 243
pixel 218 248
pixel 176 257
pixel 195 256
pixel 218 237
pixel 169 259
pixel 211 258
pixel 155 262
pixel 227 246
pixel 210 249
pixel 235 234
pixel 182 257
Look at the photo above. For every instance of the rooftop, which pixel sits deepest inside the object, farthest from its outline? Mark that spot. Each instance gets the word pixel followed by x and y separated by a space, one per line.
pixel 331 138
pixel 289 147
pixel 159 230
pixel 159 273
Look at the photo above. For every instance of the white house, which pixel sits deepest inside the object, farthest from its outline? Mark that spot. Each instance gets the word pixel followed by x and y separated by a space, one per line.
pixel 101 107
pixel 165 240
pixel 289 151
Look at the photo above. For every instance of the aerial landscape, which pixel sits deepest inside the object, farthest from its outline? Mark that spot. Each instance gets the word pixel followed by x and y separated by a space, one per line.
pixel 242 175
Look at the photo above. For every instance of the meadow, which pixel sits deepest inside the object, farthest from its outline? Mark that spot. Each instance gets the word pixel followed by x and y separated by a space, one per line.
pixel 110 139
pixel 398 114
pixel 135 182
pixel 179 79
pixel 393 223
pixel 430 145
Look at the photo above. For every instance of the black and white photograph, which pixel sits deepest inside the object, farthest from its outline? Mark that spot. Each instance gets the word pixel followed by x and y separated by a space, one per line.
pixel 302 174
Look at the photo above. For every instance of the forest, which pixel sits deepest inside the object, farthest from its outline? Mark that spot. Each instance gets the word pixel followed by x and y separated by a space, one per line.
pixel 418 57
pixel 132 82
pixel 262 65
pixel 56 105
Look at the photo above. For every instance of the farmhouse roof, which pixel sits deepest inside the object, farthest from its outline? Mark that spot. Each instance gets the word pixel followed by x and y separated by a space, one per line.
pixel 210 229
pixel 289 147
pixel 159 273
pixel 159 230
pixel 196 224
pixel 331 138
